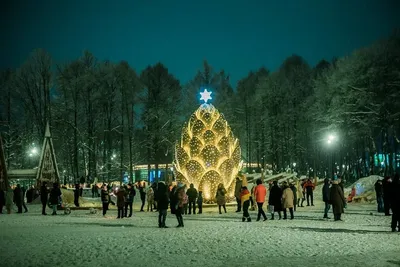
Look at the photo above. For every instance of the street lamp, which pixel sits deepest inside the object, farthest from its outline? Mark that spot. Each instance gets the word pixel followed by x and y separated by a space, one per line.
pixel 332 138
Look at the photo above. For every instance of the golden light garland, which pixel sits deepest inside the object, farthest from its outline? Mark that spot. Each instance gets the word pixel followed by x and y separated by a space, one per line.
pixel 208 153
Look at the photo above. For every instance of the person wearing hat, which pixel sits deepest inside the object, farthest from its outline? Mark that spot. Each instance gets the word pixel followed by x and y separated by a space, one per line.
pixel 337 199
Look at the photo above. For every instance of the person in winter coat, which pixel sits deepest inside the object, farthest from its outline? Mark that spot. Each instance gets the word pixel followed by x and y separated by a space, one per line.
pixel 129 198
pixel 300 194
pixel 294 189
pixel 245 199
pixel 387 184
pixel 395 203
pixel 221 198
pixel 23 189
pixel 105 199
pixel 379 195
pixel 179 203
pixel 142 191
pixel 185 201
pixel 150 198
pixel 162 199
pixel 325 197
pixel 154 187
pixel 260 192
pixel 238 188
pixel 200 202
pixel 76 195
pixel 120 202
pixel 44 197
pixel 309 188
pixel 192 196
pixel 2 200
pixel 337 199
pixel 55 195
pixel 18 198
pixel 275 200
pixel 9 199
pixel 30 194
pixel 287 201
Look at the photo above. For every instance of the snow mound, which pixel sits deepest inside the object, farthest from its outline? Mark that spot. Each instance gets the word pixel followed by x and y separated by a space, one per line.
pixel 365 189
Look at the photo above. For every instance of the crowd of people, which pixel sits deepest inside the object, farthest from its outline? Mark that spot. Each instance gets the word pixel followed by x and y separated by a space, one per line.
pixel 160 197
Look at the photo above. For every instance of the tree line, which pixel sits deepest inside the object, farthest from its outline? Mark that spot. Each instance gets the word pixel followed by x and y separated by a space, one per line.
pixel 105 117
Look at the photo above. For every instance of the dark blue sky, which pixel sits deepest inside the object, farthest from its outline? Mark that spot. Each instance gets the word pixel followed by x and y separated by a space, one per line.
pixel 237 36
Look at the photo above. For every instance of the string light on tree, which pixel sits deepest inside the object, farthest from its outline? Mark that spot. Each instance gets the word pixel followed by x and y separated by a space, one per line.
pixel 208 153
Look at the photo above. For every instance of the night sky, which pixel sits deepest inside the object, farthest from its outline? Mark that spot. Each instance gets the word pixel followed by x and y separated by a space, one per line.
pixel 237 36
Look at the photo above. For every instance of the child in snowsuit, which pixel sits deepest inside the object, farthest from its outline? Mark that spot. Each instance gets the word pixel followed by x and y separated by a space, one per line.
pixel 245 201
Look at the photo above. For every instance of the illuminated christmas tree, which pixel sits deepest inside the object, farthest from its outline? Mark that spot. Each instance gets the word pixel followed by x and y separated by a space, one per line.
pixel 208 153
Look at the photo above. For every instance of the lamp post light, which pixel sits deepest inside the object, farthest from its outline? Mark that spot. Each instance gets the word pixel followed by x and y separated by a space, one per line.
pixel 332 138
pixel 32 153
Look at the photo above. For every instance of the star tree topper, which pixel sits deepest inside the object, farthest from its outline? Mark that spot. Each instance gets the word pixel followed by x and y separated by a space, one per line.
pixel 205 96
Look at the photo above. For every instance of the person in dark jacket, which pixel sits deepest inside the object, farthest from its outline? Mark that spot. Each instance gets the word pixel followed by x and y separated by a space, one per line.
pixel 105 199
pixel 325 197
pixel 18 198
pixel 129 197
pixel 379 195
pixel 275 200
pixel 2 200
pixel 387 184
pixel 161 196
pixel 200 202
pixel 192 196
pixel 172 199
pixel 29 195
pixel 294 189
pixel 395 203
pixel 55 195
pixel 154 186
pixel 337 199
pixel 44 196
pixel 120 202
pixel 76 195
pixel 142 191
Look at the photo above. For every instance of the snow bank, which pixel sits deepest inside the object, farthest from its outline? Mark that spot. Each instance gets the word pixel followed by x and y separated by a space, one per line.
pixel 365 189
pixel 209 239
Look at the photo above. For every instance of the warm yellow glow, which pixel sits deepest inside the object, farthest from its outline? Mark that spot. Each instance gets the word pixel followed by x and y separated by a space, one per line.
pixel 208 153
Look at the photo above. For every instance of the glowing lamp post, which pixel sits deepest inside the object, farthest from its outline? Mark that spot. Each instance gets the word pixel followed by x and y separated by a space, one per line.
pixel 330 141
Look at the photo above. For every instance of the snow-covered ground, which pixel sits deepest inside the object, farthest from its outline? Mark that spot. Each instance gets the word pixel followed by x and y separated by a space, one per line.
pixel 210 239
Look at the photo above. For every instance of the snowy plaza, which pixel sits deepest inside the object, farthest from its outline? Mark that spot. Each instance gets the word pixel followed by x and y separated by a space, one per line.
pixel 208 239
